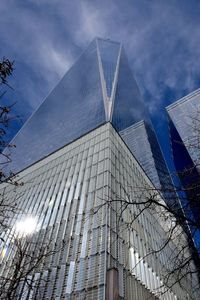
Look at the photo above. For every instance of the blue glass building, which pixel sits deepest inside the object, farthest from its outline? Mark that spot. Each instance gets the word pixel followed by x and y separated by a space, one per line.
pixel 184 121
pixel 98 88
pixel 184 115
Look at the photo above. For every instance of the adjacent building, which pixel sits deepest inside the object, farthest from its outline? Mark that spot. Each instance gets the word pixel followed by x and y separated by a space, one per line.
pixel 184 121
pixel 184 116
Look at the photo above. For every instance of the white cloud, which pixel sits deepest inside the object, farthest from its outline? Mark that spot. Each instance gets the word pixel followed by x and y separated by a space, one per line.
pixel 160 38
pixel 91 24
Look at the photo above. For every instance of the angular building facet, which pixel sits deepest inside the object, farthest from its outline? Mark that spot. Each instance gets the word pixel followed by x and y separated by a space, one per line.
pixel 98 88
pixel 142 141
pixel 76 170
pixel 184 121
pixel 184 115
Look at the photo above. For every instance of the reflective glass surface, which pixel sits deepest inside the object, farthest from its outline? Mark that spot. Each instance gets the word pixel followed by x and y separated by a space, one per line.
pixel 185 115
pixel 143 143
pixel 74 107
pixel 128 107
pixel 109 52
pixel 190 178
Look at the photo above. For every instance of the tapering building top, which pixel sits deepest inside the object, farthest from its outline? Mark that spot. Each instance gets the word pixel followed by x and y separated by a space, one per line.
pixel 98 88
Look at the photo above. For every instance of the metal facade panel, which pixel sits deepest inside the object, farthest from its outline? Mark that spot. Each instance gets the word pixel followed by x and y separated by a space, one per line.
pixel 73 213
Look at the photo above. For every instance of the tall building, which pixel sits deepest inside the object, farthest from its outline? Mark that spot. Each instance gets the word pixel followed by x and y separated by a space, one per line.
pixel 184 121
pixel 184 116
pixel 142 141
pixel 77 171
pixel 98 88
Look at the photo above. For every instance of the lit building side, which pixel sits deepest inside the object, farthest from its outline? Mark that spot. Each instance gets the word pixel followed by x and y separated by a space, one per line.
pixel 142 141
pixel 68 193
pixel 99 87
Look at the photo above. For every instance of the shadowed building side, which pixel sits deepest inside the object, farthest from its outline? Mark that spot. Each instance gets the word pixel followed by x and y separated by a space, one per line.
pixel 184 124
pixel 142 141
pixel 185 151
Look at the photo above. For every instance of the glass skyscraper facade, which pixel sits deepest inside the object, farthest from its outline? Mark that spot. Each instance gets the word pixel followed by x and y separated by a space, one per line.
pixel 74 164
pixel 184 121
pixel 98 88
pixel 184 116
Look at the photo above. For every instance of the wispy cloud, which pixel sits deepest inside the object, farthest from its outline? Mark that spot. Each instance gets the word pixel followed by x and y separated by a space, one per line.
pixel 160 37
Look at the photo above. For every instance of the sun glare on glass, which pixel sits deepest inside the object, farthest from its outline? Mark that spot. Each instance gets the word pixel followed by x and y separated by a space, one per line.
pixel 26 226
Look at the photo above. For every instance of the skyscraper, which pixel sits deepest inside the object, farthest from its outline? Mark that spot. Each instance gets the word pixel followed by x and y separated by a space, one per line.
pixel 184 116
pixel 184 121
pixel 76 171
pixel 98 88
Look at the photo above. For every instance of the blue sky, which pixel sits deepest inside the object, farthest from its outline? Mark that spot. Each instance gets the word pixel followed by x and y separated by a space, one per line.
pixel 45 37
